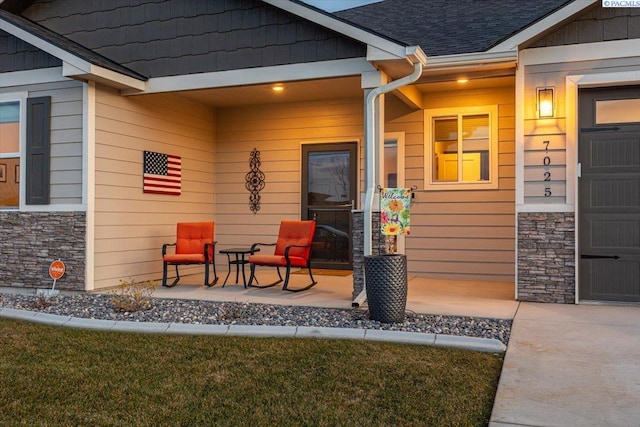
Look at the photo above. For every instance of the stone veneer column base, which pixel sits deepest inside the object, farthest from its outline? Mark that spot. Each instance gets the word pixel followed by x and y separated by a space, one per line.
pixel 31 241
pixel 546 257
pixel 378 246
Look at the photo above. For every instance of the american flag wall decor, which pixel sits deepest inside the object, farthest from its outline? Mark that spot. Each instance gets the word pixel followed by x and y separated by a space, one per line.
pixel 162 173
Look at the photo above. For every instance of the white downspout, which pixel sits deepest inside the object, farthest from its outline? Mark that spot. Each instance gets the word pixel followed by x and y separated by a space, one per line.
pixel 371 145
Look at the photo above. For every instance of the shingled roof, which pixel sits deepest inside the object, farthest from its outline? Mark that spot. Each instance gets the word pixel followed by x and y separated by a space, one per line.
pixel 448 27
pixel 439 27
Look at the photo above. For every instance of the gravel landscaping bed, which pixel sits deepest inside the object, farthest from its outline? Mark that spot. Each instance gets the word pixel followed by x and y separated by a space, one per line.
pixel 98 306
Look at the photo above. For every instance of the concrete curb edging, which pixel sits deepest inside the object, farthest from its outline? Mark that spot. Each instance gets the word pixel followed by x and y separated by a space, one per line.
pixel 488 345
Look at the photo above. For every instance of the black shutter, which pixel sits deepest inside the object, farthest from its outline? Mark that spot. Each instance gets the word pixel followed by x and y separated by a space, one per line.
pixel 38 150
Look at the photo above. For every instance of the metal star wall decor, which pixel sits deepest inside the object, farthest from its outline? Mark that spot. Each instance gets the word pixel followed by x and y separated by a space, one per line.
pixel 254 181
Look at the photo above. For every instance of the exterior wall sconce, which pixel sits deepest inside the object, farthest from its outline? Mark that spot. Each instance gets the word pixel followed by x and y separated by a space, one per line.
pixel 546 102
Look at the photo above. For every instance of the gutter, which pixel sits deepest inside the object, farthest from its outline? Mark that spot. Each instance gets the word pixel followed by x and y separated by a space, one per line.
pixel 481 60
pixel 417 57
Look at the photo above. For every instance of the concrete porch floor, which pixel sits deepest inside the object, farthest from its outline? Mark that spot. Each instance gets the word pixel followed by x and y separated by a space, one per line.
pixel 425 295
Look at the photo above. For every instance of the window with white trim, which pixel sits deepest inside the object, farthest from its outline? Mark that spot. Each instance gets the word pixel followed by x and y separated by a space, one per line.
pixel 461 145
pixel 9 154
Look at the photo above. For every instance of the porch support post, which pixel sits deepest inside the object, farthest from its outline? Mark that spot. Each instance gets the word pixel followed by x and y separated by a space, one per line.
pixel 374 145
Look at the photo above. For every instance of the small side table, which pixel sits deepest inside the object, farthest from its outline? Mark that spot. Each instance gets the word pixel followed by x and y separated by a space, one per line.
pixel 239 261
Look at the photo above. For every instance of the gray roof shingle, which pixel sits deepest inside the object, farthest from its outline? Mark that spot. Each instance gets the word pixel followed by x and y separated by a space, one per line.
pixel 447 27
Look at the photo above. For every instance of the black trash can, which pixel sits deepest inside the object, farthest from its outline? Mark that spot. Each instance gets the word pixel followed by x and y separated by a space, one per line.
pixel 386 285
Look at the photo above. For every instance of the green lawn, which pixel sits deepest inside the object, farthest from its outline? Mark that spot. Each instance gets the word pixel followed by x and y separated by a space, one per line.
pixel 66 377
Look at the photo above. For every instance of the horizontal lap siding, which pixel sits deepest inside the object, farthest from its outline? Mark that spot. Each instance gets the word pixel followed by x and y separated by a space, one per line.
pixel 131 226
pixel 277 131
pixel 535 130
pixel 462 234
pixel 66 139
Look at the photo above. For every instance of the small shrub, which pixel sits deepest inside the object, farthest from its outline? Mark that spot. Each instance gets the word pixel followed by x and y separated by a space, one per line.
pixel 131 296
pixel 42 302
pixel 233 311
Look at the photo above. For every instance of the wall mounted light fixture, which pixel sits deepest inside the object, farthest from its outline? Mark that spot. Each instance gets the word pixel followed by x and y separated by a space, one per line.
pixel 546 102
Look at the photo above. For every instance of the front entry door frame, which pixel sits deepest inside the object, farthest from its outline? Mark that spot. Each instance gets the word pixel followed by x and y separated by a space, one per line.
pixel 353 146
pixel 572 84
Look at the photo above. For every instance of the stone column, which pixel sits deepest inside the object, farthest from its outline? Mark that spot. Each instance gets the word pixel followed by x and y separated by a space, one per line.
pixel 377 247
pixel 546 257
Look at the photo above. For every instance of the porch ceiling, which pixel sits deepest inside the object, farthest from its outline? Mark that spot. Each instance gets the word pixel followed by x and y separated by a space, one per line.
pixel 337 88
pixel 294 91
pixel 474 82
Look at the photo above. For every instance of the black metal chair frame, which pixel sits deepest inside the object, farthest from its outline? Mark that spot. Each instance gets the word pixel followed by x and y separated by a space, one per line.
pixel 285 286
pixel 207 262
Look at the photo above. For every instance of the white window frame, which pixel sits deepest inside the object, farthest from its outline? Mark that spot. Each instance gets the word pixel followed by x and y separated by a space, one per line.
pixel 21 98
pixel 429 116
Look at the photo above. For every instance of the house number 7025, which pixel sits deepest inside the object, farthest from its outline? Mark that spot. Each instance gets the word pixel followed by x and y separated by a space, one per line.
pixel 546 161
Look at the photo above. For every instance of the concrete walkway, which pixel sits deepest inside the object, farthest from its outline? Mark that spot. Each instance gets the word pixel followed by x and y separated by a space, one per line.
pixel 571 365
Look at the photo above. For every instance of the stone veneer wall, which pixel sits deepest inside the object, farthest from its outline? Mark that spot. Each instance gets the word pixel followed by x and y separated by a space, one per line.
pixel 546 257
pixel 378 246
pixel 31 241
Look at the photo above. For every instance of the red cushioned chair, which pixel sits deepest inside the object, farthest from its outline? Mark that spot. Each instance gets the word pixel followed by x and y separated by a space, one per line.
pixel 194 245
pixel 292 249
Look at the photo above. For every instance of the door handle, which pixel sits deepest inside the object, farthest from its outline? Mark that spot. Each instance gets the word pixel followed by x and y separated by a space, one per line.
pixel 603 129
pixel 587 256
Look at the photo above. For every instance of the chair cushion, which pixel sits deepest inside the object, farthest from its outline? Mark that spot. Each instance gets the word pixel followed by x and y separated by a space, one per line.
pixel 184 258
pixel 192 236
pixel 295 233
pixel 277 260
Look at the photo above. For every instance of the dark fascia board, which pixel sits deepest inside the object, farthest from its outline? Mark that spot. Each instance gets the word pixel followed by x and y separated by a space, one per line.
pixel 55 44
pixel 379 42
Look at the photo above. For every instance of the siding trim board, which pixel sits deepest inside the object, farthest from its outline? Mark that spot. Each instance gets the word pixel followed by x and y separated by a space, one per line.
pixel 278 73
pixel 31 77
pixel 103 75
pixel 583 52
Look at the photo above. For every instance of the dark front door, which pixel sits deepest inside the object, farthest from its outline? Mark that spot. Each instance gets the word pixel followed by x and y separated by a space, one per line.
pixel 609 194
pixel 329 177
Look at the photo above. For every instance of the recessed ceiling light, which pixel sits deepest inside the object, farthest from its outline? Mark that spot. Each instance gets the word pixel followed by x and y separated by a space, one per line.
pixel 462 80
pixel 277 88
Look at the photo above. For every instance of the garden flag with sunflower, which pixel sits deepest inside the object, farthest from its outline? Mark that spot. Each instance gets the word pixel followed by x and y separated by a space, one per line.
pixel 394 218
